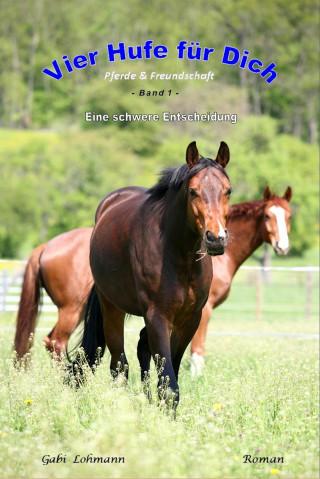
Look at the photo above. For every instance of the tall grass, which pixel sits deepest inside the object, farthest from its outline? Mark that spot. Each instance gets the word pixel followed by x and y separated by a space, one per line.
pixel 258 396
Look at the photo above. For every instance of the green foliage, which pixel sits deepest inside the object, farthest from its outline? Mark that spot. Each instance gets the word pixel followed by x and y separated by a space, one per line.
pixel 52 180
pixel 52 183
pixel 37 31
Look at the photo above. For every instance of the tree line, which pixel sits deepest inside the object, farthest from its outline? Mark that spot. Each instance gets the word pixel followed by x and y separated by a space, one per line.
pixel 56 167
pixel 37 31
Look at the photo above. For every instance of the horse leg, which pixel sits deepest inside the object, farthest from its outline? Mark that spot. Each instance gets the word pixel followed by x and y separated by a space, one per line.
pixel 198 342
pixel 113 327
pixel 181 337
pixel 158 329
pixel 144 357
pixel 58 338
pixel 143 353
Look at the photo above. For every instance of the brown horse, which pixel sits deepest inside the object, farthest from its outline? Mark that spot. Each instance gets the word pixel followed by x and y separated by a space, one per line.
pixel 143 257
pixel 249 225
pixel 50 266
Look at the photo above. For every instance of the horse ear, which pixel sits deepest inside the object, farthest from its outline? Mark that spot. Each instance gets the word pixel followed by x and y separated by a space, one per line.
pixel 223 155
pixel 288 194
pixel 192 156
pixel 267 193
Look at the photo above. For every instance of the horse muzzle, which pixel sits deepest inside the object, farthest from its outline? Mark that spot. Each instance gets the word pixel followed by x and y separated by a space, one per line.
pixel 280 251
pixel 215 245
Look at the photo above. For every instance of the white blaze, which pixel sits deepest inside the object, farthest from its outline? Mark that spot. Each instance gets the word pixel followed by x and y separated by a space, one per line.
pixel 282 227
pixel 222 233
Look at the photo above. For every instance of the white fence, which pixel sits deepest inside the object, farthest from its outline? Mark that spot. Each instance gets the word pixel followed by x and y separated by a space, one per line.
pixel 257 293
pixel 11 278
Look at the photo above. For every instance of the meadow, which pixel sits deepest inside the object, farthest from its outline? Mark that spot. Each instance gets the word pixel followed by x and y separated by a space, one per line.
pixel 258 397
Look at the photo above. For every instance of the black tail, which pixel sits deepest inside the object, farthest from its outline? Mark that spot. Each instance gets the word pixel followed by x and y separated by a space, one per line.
pixel 93 335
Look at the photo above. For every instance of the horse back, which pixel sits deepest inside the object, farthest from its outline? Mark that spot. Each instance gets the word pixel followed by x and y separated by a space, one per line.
pixel 65 268
pixel 115 198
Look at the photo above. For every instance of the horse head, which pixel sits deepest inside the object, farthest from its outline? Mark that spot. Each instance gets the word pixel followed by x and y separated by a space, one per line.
pixel 209 191
pixel 277 216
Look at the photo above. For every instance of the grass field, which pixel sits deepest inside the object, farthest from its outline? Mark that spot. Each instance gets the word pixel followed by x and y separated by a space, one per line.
pixel 258 397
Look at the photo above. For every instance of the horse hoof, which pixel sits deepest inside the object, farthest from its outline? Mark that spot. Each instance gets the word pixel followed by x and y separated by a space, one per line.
pixel 197 364
pixel 53 346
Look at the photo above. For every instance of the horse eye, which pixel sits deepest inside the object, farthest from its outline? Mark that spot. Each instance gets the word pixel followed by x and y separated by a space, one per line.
pixel 193 193
pixel 267 217
pixel 228 192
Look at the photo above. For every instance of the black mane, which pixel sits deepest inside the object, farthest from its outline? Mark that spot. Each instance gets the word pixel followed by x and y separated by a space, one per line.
pixel 172 178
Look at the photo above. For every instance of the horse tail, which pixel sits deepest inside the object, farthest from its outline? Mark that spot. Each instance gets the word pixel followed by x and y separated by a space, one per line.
pixel 93 334
pixel 29 302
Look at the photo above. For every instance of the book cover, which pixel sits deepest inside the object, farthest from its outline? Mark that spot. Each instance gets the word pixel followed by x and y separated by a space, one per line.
pixel 100 96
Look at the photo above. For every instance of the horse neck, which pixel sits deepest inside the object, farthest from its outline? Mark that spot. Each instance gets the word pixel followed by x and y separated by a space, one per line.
pixel 245 235
pixel 179 234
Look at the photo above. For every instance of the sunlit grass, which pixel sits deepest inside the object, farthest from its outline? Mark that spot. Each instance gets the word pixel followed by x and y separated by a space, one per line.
pixel 258 396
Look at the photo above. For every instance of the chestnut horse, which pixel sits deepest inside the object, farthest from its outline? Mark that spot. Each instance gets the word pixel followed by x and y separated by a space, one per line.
pixel 249 225
pixel 143 257
pixel 61 266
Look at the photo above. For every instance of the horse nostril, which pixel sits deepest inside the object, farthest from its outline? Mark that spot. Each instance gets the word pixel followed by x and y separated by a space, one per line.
pixel 225 236
pixel 210 237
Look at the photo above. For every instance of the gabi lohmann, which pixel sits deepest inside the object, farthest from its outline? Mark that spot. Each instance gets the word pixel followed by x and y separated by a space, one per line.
pixel 258 459
pixel 89 459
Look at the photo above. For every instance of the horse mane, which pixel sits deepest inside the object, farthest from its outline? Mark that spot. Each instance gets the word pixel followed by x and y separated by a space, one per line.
pixel 247 208
pixel 251 208
pixel 172 178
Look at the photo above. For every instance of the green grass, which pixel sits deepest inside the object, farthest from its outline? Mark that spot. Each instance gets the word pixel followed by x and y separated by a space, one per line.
pixel 258 396
pixel 309 258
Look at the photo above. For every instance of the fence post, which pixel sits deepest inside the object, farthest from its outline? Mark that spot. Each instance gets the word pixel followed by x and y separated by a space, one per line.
pixel 266 263
pixel 308 294
pixel 259 297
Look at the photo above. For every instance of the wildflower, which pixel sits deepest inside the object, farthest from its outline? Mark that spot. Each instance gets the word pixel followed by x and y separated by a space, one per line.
pixel 3 433
pixel 217 406
pixel 28 401
pixel 274 471
pixel 236 458
pixel 261 401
